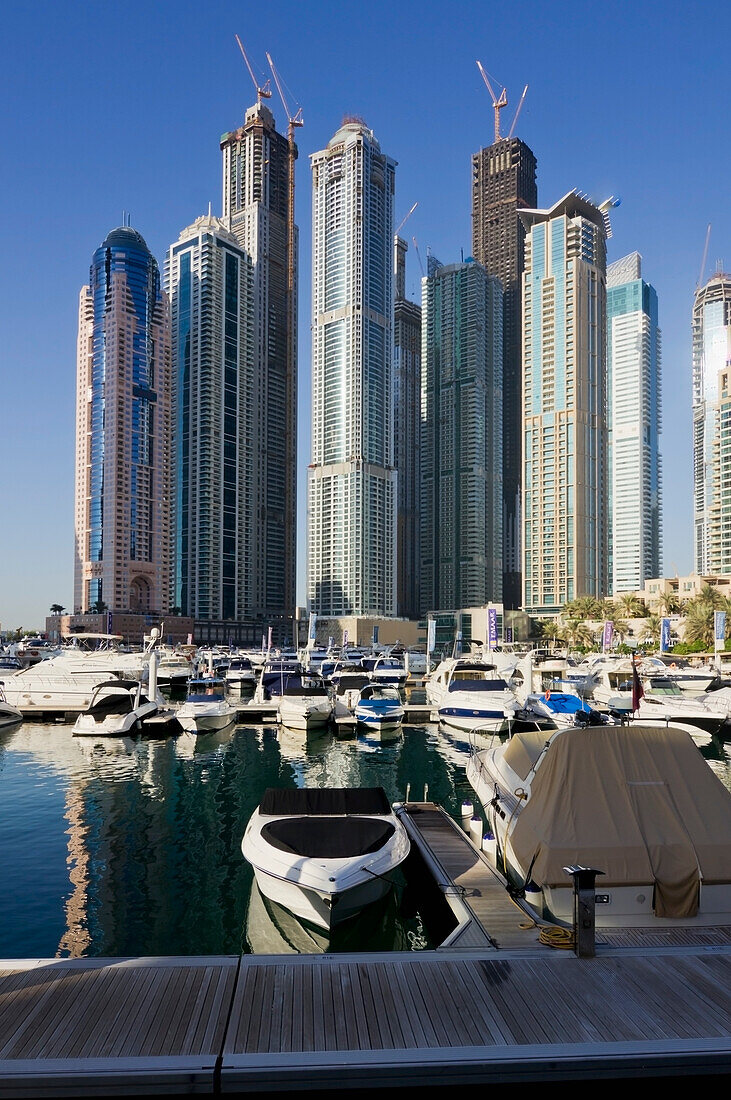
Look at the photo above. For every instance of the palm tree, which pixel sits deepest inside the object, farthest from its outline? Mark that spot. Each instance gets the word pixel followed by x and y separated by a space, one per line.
pixel 57 609
pixel 652 627
pixel 668 603
pixel 621 629
pixel 699 622
pixel 630 606
pixel 710 595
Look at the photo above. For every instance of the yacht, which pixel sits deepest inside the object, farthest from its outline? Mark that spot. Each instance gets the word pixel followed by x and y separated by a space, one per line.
pixel 638 803
pixel 663 699
pixel 117 708
pixel 379 708
pixel 9 715
pixel 303 702
pixel 470 694
pixel 240 672
pixel 206 708
pixel 386 670
pixel 326 853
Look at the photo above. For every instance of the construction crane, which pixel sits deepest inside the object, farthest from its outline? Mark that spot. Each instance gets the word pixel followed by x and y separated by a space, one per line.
pixel 403 221
pixel 498 103
pixel 515 119
pixel 261 93
pixel 418 256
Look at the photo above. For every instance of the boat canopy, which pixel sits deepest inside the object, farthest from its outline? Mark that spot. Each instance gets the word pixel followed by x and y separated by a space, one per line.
pixel 325 800
pixel 638 803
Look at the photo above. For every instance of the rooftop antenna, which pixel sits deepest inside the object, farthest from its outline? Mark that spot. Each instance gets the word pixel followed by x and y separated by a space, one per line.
pixel 515 119
pixel 261 93
pixel 498 103
pixel 705 257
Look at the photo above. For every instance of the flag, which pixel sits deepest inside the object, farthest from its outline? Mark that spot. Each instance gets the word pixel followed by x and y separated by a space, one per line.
pixel 431 635
pixel 312 631
pixel 719 628
pixel 491 627
pixel 637 689
pixel 608 635
pixel 665 635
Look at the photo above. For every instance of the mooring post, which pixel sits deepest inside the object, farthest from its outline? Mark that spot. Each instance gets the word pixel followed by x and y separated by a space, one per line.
pixel 584 910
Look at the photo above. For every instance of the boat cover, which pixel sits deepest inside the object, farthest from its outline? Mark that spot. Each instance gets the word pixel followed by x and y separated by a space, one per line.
pixel 639 803
pixel 328 838
pixel 324 801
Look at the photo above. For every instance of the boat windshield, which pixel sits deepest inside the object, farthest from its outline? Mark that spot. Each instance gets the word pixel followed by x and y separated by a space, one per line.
pixel 467 683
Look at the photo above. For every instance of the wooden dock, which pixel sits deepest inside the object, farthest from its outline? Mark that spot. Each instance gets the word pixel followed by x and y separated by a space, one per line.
pixel 492 1005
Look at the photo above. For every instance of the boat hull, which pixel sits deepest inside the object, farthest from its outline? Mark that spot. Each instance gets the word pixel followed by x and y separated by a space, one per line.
pixel 320 908
pixel 205 722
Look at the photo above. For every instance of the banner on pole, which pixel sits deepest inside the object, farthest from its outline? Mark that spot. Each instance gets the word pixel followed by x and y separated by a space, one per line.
pixel 491 627
pixel 345 638
pixel 608 635
pixel 431 635
pixel 664 635
pixel 311 630
pixel 719 629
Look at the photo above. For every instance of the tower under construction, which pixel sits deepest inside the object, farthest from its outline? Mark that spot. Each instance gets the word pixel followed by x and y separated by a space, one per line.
pixel 503 183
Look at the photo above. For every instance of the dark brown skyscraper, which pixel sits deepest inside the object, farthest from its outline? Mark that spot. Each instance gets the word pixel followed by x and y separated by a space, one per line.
pixel 504 182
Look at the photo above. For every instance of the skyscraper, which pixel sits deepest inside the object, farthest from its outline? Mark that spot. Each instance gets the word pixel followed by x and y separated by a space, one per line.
pixel 209 280
pixel 711 473
pixel 407 426
pixel 351 538
pixel 258 189
pixel 461 437
pixel 633 427
pixel 503 183
pixel 122 511
pixel 564 396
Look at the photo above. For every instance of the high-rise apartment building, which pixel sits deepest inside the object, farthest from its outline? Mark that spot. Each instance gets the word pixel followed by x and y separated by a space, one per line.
pixel 352 491
pixel 461 437
pixel 711 473
pixel 503 183
pixel 258 207
pixel 123 486
pixel 633 428
pixel 209 280
pixel 407 426
pixel 564 398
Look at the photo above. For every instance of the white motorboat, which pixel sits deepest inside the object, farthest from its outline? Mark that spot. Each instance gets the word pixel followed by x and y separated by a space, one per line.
pixel 386 670
pixel 663 699
pixel 303 702
pixel 325 853
pixel 117 708
pixel 206 708
pixel 379 709
pixel 471 694
pixel 636 802
pixel 612 687
pixel 559 708
pixel 9 715
pixel 240 672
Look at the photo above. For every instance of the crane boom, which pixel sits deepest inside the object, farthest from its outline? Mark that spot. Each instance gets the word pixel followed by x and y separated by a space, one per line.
pixel 403 221
pixel 498 103
pixel 261 93
pixel 515 119
pixel 705 256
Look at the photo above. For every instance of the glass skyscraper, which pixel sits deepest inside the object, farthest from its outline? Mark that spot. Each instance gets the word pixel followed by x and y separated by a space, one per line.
pixel 503 184
pixel 123 486
pixel 461 437
pixel 633 427
pixel 351 515
pixel 711 430
pixel 210 282
pixel 564 402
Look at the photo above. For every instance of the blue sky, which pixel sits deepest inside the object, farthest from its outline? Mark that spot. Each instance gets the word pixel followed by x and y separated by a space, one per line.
pixel 110 107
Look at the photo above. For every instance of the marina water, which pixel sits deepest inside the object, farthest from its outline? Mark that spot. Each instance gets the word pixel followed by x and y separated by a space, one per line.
pixel 133 847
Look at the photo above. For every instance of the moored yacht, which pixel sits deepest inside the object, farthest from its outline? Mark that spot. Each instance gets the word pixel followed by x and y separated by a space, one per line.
pixel 470 694
pixel 206 708
pixel 637 803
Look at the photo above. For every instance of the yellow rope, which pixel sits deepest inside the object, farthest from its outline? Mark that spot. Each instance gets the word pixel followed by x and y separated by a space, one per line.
pixel 553 936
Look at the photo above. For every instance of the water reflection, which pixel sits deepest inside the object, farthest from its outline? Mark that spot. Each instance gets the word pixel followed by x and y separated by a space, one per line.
pixel 133 847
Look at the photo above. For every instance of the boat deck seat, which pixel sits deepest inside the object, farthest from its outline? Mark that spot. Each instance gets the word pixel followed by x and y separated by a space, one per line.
pixel 327 837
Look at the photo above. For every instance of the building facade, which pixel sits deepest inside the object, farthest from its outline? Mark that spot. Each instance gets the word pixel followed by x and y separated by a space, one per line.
pixel 461 437
pixel 209 279
pixel 564 400
pixel 351 515
pixel 503 183
pixel 407 427
pixel 634 501
pixel 258 207
pixel 711 428
pixel 123 426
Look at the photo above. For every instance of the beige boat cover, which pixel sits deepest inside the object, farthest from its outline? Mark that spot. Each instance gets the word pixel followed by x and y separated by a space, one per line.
pixel 638 803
